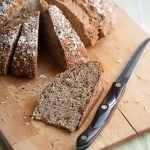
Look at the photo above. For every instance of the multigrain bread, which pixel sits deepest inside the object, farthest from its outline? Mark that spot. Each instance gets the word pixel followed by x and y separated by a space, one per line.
pixel 24 62
pixel 8 39
pixel 28 6
pixel 92 19
pixel 9 8
pixel 62 40
pixel 31 5
pixel 68 100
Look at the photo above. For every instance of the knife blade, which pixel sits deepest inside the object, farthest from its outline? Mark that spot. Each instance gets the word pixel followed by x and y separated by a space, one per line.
pixel 109 103
pixel 4 144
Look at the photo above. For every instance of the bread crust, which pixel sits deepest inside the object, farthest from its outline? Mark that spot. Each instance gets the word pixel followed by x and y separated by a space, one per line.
pixel 25 56
pixel 92 20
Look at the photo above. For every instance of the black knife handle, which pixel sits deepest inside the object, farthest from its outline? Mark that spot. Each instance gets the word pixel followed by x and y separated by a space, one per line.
pixel 102 115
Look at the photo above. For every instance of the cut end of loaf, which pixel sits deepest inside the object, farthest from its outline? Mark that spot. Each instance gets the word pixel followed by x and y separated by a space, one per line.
pixel 70 97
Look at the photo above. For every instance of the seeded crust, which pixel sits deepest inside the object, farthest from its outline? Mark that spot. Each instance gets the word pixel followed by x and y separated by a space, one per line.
pixel 92 19
pixel 24 62
pixel 68 100
pixel 8 39
pixel 8 8
pixel 64 43
pixel 28 7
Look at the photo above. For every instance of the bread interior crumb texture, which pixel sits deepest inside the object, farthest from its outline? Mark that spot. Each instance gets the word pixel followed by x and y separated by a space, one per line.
pixel 63 102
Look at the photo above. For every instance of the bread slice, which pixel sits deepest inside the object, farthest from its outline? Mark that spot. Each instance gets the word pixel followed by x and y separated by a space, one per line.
pixel 9 8
pixel 68 100
pixel 92 19
pixel 25 56
pixel 8 39
pixel 63 41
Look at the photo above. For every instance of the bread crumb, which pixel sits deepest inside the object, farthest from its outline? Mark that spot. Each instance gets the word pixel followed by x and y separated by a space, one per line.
pixel 34 89
pixel 126 101
pixel 119 60
pixel 137 102
pixel 9 115
pixel 16 92
pixel 27 123
pixel 17 100
pixel 4 102
pixel 27 120
pixel 3 119
pixel 22 87
pixel 38 129
pixel 145 108
pixel 138 76
pixel 42 76
pixel 54 142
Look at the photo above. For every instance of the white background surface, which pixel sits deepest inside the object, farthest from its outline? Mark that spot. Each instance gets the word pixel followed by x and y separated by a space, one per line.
pixel 139 10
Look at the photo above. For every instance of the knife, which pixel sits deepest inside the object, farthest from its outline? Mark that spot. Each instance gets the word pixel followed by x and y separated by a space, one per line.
pixel 108 105
pixel 4 144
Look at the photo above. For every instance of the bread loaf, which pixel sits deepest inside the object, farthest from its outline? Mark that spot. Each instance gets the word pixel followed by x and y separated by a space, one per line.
pixel 9 8
pixel 68 100
pixel 8 39
pixel 92 19
pixel 63 41
pixel 25 56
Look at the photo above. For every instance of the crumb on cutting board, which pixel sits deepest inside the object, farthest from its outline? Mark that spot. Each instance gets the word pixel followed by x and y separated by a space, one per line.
pixel 4 102
pixel 3 119
pixel 42 76
pixel 145 108
pixel 119 60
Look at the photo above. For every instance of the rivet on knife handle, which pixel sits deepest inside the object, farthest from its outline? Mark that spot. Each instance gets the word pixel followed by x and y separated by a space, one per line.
pixel 106 109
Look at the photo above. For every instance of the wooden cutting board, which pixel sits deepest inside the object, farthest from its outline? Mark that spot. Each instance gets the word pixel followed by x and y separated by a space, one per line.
pixel 132 117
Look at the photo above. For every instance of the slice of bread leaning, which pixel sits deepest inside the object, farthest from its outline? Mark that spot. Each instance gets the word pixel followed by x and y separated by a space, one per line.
pixel 67 101
pixel 92 19
pixel 62 40
pixel 8 40
pixel 24 62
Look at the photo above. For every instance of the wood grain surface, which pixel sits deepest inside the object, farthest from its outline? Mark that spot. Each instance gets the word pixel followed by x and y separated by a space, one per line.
pixel 18 96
